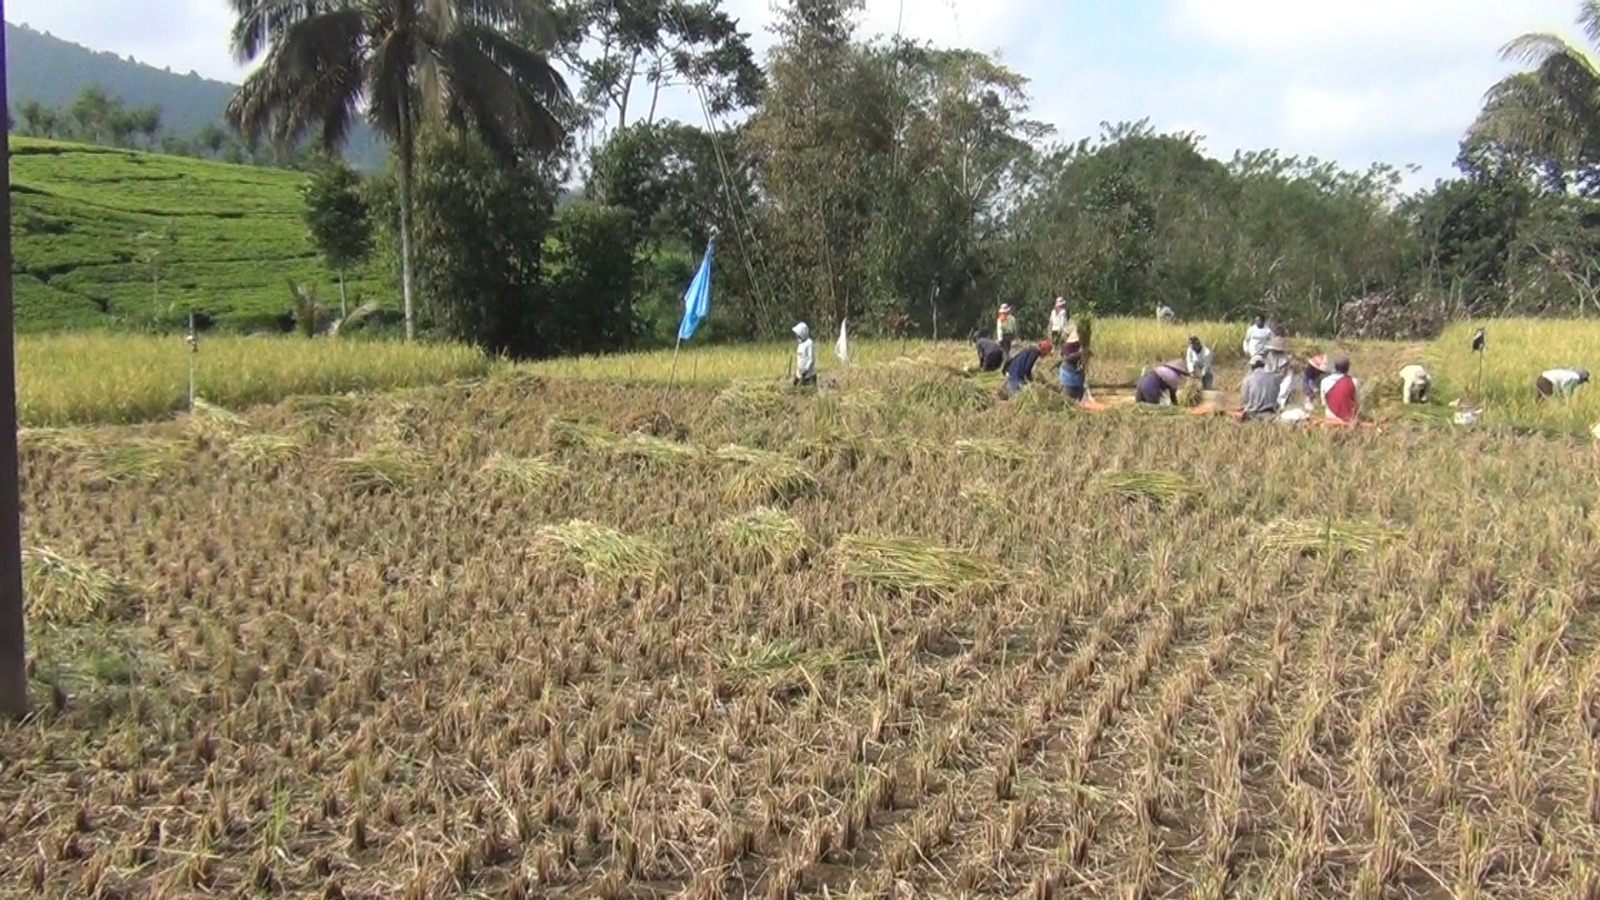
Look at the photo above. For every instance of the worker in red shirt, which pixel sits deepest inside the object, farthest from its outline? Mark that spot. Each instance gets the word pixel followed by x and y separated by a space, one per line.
pixel 1339 392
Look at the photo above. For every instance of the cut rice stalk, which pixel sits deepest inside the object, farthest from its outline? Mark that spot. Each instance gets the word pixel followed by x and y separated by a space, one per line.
pixel 1335 537
pixel 912 565
pixel 767 534
pixel 527 473
pixel 66 590
pixel 600 551
pixel 994 450
pixel 1166 488
pixel 384 467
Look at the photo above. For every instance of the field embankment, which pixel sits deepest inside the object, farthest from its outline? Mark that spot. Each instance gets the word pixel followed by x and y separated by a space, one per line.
pixel 118 238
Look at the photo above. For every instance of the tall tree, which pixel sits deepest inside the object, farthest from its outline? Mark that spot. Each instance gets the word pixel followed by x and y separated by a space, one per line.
pixel 1551 111
pixel 339 221
pixel 466 63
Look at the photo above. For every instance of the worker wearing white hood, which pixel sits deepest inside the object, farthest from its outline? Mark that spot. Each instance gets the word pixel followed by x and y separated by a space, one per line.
pixel 805 356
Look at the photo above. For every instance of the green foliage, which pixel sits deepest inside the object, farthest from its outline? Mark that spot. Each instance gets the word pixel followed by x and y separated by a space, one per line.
pixel 589 281
pixel 337 215
pixel 479 229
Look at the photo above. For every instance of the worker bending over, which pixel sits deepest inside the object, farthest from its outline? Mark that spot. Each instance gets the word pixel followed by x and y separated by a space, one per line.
pixel 990 354
pixel 1560 382
pixel 1260 390
pixel 1165 378
pixel 1414 384
pixel 1019 371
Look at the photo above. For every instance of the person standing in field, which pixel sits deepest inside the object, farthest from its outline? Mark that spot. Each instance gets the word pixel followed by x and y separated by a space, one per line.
pixel 1072 376
pixel 1257 337
pixel 1198 358
pixel 1560 382
pixel 1019 371
pixel 1413 384
pixel 1260 391
pixel 1005 328
pixel 805 357
pixel 990 354
pixel 1164 314
pixel 1058 321
pixel 1164 378
pixel 1340 392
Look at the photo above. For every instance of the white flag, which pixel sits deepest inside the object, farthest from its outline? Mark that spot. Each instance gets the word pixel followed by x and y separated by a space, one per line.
pixel 842 348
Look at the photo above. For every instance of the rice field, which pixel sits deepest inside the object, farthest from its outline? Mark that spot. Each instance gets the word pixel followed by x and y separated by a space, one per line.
pixel 529 636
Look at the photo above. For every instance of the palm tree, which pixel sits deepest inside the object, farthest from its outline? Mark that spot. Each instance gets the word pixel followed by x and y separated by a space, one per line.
pixel 398 62
pixel 1551 111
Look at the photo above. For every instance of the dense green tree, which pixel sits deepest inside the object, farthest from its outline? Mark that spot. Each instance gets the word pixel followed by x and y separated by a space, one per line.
pixel 466 63
pixel 340 223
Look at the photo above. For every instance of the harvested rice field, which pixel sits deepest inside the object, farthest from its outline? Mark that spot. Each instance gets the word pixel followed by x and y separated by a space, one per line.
pixel 526 637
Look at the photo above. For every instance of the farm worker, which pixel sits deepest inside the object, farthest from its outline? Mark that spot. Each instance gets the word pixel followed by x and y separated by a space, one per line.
pixel 1198 358
pixel 1316 370
pixel 805 357
pixel 1164 313
pixel 1261 390
pixel 1280 363
pixel 1005 328
pixel 1560 382
pixel 990 354
pixel 1257 337
pixel 1072 378
pixel 1414 384
pixel 1058 320
pixel 1019 370
pixel 1340 391
pixel 1164 378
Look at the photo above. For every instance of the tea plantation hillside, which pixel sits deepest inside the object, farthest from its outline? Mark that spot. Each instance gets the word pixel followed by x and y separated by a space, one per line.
pixel 226 240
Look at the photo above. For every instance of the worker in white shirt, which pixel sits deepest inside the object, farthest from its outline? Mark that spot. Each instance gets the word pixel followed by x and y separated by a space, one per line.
pixel 1198 358
pixel 1058 321
pixel 1560 382
pixel 1256 338
pixel 805 357
pixel 1414 384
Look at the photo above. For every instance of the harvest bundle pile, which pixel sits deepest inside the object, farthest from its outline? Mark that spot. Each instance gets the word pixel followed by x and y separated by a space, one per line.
pixel 765 476
pixel 528 473
pixel 993 450
pixel 1341 538
pixel 599 551
pixel 651 450
pixel 1164 488
pixel 266 450
pixel 385 467
pixel 765 534
pixel 910 565
pixel 63 589
pixel 752 397
pixel 570 435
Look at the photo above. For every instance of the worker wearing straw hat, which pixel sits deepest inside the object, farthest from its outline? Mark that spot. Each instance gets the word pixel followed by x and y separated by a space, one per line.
pixel 1072 376
pixel 1164 378
pixel 1005 328
pixel 1316 369
pixel 1058 321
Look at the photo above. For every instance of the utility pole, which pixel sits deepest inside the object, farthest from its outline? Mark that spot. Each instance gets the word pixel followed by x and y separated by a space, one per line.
pixel 13 667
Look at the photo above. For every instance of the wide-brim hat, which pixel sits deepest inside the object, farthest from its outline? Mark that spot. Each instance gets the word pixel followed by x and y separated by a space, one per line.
pixel 1005 307
pixel 1318 362
pixel 1277 344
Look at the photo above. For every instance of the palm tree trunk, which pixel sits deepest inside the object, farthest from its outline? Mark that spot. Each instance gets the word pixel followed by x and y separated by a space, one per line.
pixel 406 162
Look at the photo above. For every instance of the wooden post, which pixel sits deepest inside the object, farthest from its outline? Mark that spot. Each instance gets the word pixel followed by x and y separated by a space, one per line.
pixel 13 655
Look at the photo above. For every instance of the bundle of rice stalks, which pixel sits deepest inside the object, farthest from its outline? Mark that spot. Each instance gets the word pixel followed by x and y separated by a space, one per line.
pixel 207 420
pixel 951 394
pixel 600 551
pixel 1309 537
pixel 316 413
pixel 55 440
pixel 265 451
pixel 649 450
pixel 905 448
pixel 1161 488
pixel 984 494
pixel 570 435
pixel 140 459
pixel 65 590
pixel 766 534
pixel 384 467
pixel 765 476
pixel 861 399
pixel 525 473
pixel 993 450
pixel 833 445
pixel 1191 394
pixel 1040 398
pixel 753 397
pixel 911 565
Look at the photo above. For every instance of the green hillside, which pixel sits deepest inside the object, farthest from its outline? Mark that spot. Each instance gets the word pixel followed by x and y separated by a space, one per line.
pixel 85 219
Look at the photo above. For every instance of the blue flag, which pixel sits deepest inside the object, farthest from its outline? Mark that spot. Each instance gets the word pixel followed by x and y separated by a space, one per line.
pixel 697 300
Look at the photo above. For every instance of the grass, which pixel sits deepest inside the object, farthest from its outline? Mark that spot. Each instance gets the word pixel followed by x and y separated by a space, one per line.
pixel 1516 352
pixel 236 235
pixel 930 672
pixel 70 379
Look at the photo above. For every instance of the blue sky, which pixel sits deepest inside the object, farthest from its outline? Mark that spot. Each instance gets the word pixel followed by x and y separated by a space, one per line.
pixel 1355 81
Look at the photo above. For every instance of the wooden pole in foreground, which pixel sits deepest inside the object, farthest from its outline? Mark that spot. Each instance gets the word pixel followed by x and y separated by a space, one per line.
pixel 13 655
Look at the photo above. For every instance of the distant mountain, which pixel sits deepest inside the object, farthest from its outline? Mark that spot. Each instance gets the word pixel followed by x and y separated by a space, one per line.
pixel 51 71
